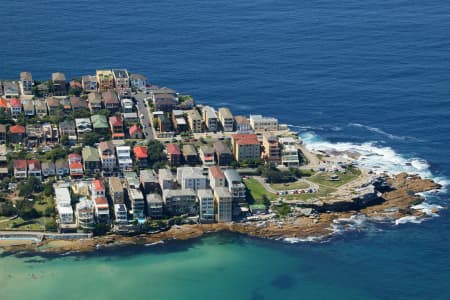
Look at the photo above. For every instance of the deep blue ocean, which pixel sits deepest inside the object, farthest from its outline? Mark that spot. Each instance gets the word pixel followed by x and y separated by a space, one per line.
pixel 372 75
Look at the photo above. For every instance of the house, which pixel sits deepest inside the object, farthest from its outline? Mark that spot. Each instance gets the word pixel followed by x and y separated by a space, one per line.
pixel 121 214
pixel 164 99
pixel 271 151
pixel 110 101
pixel 94 102
pixel 59 84
pixel 137 203
pixel 179 122
pixel 83 126
pixel 97 189
pixel 65 105
pixel 190 155
pixel 78 104
pixel 75 165
pixel 138 81
pixel 50 133
pixel 164 124
pixel 16 107
pixel 62 167
pixel 242 124
pixel 166 179
pixel 3 102
pixel 235 185
pixel 206 154
pixel 25 83
pixel 173 154
pixel 149 181
pixel 16 133
pixel 107 157
pixel 48 169
pixel 74 157
pixel 195 121
pixel 245 146
pixel 224 203
pixel 179 202
pixel 155 206
pixel 91 160
pixel 10 89
pixel 192 178
pixel 3 163
pixel 34 168
pixel 223 153
pixel 35 135
pixel 67 128
pixel 289 152
pixel 216 177
pixel 105 80
pixel 115 190
pixel 40 108
pixel 210 119
pixel 84 214
pixel 124 158
pixel 131 180
pixel 101 209
pixel 136 132
pixel 127 105
pixel 63 205
pixel 116 124
pixel 53 106
pixel 99 124
pixel 28 108
pixel 140 155
pixel 130 117
pixel 206 206
pixel 89 83
pixel 261 123
pixel 20 168
pixel 2 134
pixel 121 79
pixel 226 119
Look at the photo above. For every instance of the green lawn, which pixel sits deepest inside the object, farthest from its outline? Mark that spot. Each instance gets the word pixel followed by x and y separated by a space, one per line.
pixel 323 178
pixel 21 224
pixel 256 191
pixel 323 191
pixel 289 186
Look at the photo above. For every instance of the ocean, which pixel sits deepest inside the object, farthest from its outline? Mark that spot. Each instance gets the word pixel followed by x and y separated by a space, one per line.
pixel 373 76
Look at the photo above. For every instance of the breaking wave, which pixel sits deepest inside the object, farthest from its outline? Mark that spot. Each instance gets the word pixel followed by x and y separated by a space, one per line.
pixel 384 133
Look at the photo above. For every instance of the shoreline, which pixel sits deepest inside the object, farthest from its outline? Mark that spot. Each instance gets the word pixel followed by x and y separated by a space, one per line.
pixel 397 203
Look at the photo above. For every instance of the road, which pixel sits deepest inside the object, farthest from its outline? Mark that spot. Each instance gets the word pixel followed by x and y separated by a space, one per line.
pixel 146 119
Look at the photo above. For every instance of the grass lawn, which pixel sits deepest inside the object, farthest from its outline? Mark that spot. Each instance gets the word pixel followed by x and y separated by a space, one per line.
pixel 256 191
pixel 289 186
pixel 42 205
pixel 323 191
pixel 21 224
pixel 324 178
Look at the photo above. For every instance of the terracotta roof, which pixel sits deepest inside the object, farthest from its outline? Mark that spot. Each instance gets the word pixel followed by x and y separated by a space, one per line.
pixel 15 102
pixel 34 164
pixel 74 156
pixel 119 134
pixel 106 145
pixel 77 102
pixel 20 164
pixel 98 184
pixel 3 103
pixel 101 201
pixel 245 138
pixel 216 172
pixel 76 165
pixel 173 149
pixel 53 102
pixel 140 152
pixel 110 97
pixel 115 121
pixel 17 129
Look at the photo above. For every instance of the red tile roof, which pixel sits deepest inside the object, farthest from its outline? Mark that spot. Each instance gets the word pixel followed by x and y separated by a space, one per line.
pixel 20 164
pixel 245 139
pixel 216 172
pixel 34 164
pixel 74 156
pixel 15 102
pixel 101 201
pixel 140 152
pixel 3 103
pixel 98 185
pixel 17 129
pixel 75 165
pixel 173 149
pixel 115 121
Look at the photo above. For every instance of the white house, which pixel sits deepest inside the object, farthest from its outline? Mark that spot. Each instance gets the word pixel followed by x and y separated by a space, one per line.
pixel 192 178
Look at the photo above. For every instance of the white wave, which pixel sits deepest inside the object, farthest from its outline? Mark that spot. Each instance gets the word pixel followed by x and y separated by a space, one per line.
pixel 382 132
pixel 428 209
pixel 295 240
pixel 322 128
pixel 409 219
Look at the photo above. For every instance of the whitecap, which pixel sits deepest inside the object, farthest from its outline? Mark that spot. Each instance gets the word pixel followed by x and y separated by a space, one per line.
pixel 382 132
pixel 295 240
pixel 428 209
pixel 409 219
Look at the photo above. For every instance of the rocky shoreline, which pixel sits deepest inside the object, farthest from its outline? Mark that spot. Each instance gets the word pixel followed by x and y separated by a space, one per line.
pixel 400 193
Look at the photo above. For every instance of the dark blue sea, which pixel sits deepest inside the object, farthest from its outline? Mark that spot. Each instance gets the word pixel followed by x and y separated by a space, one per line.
pixel 369 75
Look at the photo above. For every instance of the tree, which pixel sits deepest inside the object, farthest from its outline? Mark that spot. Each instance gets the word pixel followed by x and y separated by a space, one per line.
pixel 92 138
pixel 7 209
pixel 50 225
pixel 65 140
pixel 25 210
pixel 156 153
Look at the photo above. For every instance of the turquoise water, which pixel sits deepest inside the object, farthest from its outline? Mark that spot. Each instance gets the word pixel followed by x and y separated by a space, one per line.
pixel 371 75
